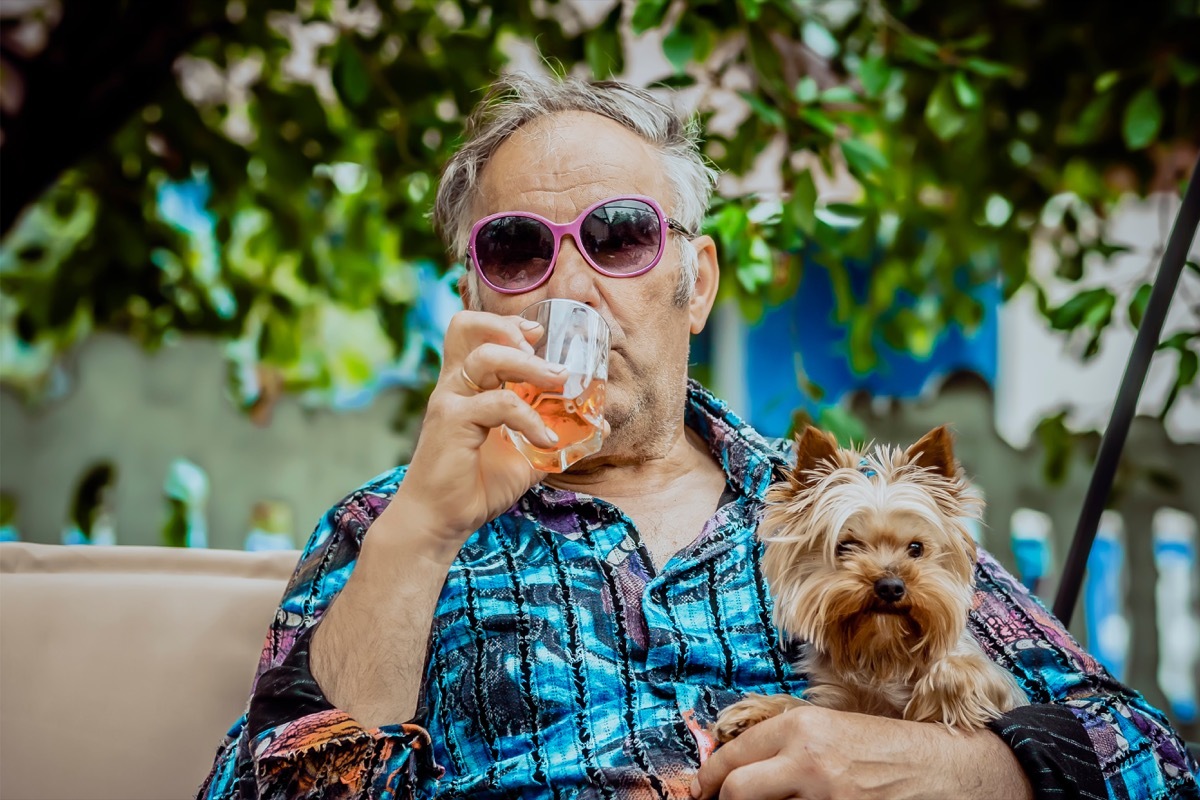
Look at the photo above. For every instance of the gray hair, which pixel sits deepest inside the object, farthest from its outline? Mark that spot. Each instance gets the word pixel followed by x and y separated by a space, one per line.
pixel 517 99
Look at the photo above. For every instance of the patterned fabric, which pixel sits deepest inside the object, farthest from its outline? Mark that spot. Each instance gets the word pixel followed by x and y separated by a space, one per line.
pixel 562 665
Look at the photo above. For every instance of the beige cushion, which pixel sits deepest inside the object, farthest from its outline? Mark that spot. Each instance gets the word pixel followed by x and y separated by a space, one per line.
pixel 121 668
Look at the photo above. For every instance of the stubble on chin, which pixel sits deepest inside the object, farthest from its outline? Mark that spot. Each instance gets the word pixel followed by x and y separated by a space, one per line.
pixel 645 427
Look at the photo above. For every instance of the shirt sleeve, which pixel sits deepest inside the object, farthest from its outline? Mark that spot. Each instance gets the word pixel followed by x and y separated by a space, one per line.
pixel 292 743
pixel 1085 735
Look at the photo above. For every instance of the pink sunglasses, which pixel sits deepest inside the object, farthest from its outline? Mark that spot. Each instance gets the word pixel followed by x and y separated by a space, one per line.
pixel 515 251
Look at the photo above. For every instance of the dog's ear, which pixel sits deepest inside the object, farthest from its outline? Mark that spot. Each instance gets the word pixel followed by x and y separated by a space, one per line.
pixel 935 452
pixel 814 448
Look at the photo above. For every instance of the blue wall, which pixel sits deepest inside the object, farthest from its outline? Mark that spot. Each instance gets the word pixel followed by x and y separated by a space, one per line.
pixel 805 325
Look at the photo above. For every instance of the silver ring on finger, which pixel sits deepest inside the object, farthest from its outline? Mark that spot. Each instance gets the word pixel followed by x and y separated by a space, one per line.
pixel 475 387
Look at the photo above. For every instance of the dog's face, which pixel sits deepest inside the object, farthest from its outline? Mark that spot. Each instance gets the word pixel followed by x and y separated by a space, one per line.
pixel 867 556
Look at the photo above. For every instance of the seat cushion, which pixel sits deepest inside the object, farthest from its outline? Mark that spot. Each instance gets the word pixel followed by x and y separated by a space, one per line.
pixel 121 668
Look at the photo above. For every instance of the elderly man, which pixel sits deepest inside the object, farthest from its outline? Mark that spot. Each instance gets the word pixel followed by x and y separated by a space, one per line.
pixel 468 627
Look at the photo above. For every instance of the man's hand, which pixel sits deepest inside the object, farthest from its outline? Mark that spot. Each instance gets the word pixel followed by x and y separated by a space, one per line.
pixel 813 753
pixel 463 472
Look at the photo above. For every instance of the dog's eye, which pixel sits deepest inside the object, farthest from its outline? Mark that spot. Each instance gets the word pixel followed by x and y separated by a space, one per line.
pixel 916 549
pixel 844 548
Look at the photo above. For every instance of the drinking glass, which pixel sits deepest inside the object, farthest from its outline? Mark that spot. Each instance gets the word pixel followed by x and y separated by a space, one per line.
pixel 575 336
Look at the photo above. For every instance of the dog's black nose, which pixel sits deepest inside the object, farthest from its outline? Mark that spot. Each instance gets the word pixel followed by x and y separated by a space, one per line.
pixel 889 589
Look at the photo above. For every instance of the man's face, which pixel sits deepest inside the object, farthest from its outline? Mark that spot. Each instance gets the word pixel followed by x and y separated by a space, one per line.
pixel 557 167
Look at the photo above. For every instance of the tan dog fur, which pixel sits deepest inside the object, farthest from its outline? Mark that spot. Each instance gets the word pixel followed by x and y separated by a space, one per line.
pixel 831 532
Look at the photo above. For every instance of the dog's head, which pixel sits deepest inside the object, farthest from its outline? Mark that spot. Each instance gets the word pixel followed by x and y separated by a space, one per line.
pixel 867 555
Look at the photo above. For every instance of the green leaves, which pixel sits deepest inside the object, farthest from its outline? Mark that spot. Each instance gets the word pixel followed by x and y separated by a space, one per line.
pixel 728 224
pixel 1107 81
pixel 875 74
pixel 818 38
pixel 1137 305
pixel 1057 446
pixel 1090 312
pixel 679 48
pixel 844 425
pixel 745 252
pixel 350 75
pixel 802 205
pixel 754 269
pixel 964 92
pixel 807 90
pixel 862 157
pixel 1186 368
pixel 1187 72
pixel 1090 307
pixel 763 109
pixel 602 50
pixel 819 120
pixel 689 42
pixel 940 139
pixel 988 69
pixel 751 8
pixel 1090 124
pixel 1179 341
pixel 649 14
pixel 1143 118
pixel 839 94
pixel 942 113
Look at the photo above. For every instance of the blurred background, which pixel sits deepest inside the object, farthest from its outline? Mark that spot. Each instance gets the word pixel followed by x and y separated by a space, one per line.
pixel 221 302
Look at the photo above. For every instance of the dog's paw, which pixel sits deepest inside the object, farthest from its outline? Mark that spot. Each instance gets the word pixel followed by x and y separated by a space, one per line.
pixel 736 719
pixel 963 692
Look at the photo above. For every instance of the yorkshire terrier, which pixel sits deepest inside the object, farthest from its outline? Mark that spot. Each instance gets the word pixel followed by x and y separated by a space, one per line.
pixel 870 566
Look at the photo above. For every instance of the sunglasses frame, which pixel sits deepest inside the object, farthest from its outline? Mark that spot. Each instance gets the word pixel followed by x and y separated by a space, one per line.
pixel 572 229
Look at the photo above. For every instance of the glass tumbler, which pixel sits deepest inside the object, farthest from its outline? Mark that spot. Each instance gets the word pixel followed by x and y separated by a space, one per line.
pixel 577 337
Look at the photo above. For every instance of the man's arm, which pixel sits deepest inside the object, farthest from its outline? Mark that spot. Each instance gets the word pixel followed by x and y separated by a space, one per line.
pixel 293 741
pixel 337 679
pixel 368 653
pixel 819 753
pixel 1084 734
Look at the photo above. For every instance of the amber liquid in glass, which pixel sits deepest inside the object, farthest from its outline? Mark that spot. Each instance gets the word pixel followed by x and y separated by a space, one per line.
pixel 577 421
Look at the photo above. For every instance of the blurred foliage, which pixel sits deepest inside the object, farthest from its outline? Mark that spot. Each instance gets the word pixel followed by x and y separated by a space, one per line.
pixel 270 176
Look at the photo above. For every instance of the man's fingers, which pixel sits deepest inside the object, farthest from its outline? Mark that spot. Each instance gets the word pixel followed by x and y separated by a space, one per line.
pixel 491 365
pixel 773 779
pixel 469 329
pixel 754 746
pixel 493 409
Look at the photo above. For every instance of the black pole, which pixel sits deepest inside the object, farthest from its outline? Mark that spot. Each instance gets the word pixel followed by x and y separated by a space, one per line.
pixel 1182 233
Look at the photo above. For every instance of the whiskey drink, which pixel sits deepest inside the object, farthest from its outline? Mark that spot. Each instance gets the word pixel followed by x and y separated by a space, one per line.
pixel 576 337
pixel 576 420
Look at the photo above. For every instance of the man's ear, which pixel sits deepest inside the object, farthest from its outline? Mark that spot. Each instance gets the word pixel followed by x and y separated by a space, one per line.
pixel 814 449
pixel 708 278
pixel 935 452
pixel 464 290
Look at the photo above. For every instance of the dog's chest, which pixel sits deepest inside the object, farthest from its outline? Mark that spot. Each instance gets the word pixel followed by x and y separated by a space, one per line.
pixel 881 698
pixel 860 692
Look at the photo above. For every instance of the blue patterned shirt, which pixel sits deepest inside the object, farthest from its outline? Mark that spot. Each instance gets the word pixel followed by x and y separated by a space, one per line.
pixel 561 664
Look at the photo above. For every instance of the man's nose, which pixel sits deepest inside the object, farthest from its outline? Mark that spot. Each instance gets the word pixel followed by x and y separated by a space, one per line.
pixel 573 277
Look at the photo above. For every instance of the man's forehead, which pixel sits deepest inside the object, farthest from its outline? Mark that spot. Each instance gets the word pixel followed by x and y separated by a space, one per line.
pixel 554 132
pixel 578 155
pixel 568 127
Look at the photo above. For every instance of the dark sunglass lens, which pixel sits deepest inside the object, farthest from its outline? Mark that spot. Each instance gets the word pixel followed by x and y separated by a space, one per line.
pixel 514 252
pixel 622 236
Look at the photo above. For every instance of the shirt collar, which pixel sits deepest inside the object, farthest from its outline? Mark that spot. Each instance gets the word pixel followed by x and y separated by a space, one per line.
pixel 748 459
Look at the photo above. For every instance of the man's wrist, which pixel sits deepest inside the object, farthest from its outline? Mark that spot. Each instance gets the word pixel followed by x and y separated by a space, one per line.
pixel 410 530
pixel 984 767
